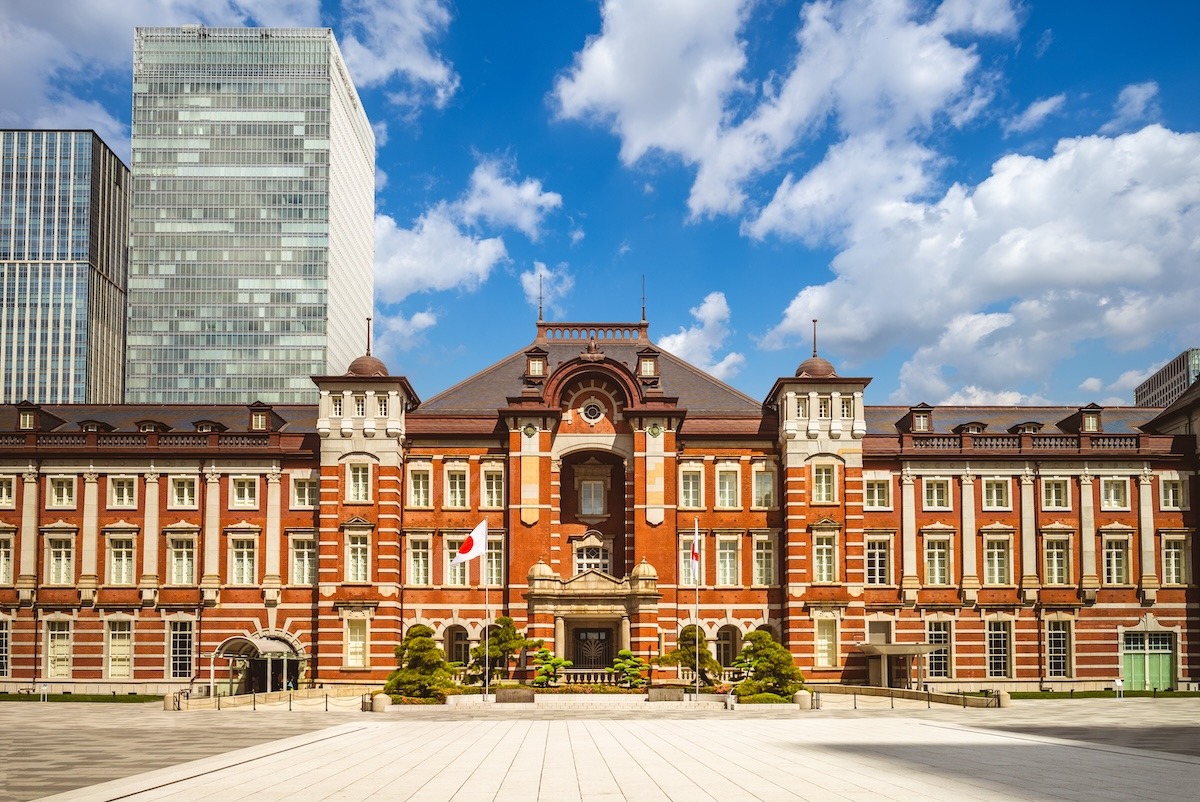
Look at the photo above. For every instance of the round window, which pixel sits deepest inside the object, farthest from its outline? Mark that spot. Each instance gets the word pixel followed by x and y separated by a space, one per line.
pixel 592 412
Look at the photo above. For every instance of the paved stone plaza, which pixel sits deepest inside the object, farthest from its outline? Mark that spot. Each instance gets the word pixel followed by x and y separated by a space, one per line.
pixel 1132 749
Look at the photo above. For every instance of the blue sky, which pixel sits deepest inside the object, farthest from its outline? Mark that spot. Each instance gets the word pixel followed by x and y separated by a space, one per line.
pixel 982 202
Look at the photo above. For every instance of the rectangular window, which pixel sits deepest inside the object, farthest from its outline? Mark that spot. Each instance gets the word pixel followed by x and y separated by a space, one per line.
pixel 8 493
pixel 6 561
pixel 689 488
pixel 727 562
pixel 764 562
pixel 1058 649
pixel 847 408
pixel 183 561
pixel 920 422
pixel 1054 495
pixel 58 649
pixel 1091 422
pixel 181 649
pixel 360 406
pixel 877 494
pixel 1114 494
pixel 358 552
pixel 455 574
pixel 591 558
pixel 356 643
pixel 1116 561
pixel 764 488
pixel 120 649
pixel 304 493
pixel 591 497
pixel 245 492
pixel 183 492
pixel 494 558
pixel 493 488
pixel 120 561
pixel 242 569
pixel 826 642
pixel 25 421
pixel 258 421
pixel 456 488
pixel 879 561
pixel 304 561
pixel 995 494
pixel 937 664
pixel 381 404
pixel 337 406
pixel 689 572
pixel 824 558
pixel 5 641
pixel 997 561
pixel 727 488
pixel 122 492
pixel 1058 561
pixel 1174 551
pixel 937 494
pixel 360 483
pixel 419 483
pixel 1172 494
pixel 62 561
pixel 999 648
pixel 937 561
pixel 824 407
pixel 418 562
pixel 823 491
pixel 62 491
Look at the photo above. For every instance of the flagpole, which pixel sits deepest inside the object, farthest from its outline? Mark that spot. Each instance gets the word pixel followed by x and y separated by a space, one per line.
pixel 487 654
pixel 696 630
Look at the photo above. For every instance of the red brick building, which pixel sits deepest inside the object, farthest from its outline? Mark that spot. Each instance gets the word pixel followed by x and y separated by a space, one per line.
pixel 153 547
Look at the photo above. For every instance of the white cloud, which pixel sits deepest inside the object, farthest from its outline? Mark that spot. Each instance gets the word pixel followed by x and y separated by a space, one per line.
pixel 698 344
pixel 385 41
pixel 395 333
pixel 547 287
pixel 577 235
pixel 1034 115
pixel 1127 381
pixel 434 255
pixel 496 199
pixel 1044 41
pixel 381 179
pixel 1135 106
pixel 973 396
pixel 1091 385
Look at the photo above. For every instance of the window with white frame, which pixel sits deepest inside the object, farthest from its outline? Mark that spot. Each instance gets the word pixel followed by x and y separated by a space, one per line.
pixel 764 487
pixel 937 494
pixel 418 561
pixel 6 560
pixel 879 560
pixel 826 642
pixel 5 648
pixel 1172 494
pixel 242 561
pixel 494 562
pixel 455 574
pixel 824 557
pixel 1174 557
pixel 182 649
pixel 356 643
pixel 1056 553
pixel 592 558
pixel 689 572
pixel 847 407
pixel 8 492
pixel 998 645
pixel 877 494
pixel 937 561
pixel 258 421
pixel 997 560
pixel 122 492
pixel 937 664
pixel 183 493
pixel 996 494
pixel 591 497
pixel 120 649
pixel 1114 494
pixel 244 490
pixel 493 486
pixel 358 477
pixel 381 405
pixel 360 406
pixel 728 553
pixel 60 561
pixel 336 404
pixel 120 561
pixel 358 557
pixel 920 422
pixel 25 420
pixel 727 486
pixel 181 554
pixel 1055 494
pixel 304 560
pixel 58 649
pixel 1116 560
pixel 1091 421
pixel 764 560
pixel 1058 649
pixel 305 493
pixel 824 407
pixel 456 486
pixel 823 484
pixel 62 491
pixel 691 493
pixel 420 482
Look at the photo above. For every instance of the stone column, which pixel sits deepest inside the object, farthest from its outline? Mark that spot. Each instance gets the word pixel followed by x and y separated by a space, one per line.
pixel 970 541
pixel 30 538
pixel 88 578
pixel 1089 583
pixel 1149 571
pixel 1029 572
pixel 835 414
pixel 210 581
pixel 625 641
pixel 274 545
pixel 150 535
pixel 910 581
pixel 560 637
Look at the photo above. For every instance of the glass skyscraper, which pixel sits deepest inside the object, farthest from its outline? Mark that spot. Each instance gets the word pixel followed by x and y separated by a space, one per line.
pixel 252 247
pixel 64 261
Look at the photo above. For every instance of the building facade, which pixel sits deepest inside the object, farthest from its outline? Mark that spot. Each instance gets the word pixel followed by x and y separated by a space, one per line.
pixel 253 215
pixel 1169 381
pixel 250 546
pixel 64 263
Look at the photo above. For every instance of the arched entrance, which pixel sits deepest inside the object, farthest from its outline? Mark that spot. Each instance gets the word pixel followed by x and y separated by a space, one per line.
pixel 257 664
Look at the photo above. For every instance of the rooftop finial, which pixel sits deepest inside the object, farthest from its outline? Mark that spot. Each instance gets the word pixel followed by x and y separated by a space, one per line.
pixel 368 336
pixel 539 297
pixel 814 336
pixel 643 297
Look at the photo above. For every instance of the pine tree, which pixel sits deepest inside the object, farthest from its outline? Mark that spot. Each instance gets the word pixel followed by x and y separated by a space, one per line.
pixel 422 668
pixel 685 655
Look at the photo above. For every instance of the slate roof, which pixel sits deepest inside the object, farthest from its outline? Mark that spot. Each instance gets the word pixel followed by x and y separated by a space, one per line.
pixel 1114 420
pixel 297 418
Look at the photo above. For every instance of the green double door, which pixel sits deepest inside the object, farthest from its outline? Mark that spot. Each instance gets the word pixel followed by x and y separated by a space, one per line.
pixel 1149 661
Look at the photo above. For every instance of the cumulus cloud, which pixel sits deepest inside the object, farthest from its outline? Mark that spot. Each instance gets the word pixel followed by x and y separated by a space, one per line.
pixel 700 343
pixel 395 333
pixel 1091 385
pixel 1135 106
pixel 547 287
pixel 435 254
pixel 1034 115
pixel 495 198
pixel 386 41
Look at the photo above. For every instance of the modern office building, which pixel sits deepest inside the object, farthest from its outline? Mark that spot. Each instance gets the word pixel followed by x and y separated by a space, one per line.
pixel 64 225
pixel 253 215
pixel 1169 382
pixel 166 547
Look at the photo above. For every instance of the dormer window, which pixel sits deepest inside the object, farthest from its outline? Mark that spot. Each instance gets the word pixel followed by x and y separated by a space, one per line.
pixel 648 368
pixel 970 428
pixel 91 427
pixel 1028 428
pixel 204 427
pixel 921 422
pixel 258 421
pixel 148 427
pixel 536 367
pixel 1091 421
pixel 26 420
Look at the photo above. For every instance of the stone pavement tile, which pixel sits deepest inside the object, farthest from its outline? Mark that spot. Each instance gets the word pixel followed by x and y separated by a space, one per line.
pixel 631 779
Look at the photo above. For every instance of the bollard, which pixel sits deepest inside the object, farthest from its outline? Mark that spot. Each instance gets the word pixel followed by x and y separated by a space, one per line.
pixel 892 699
pixel 218 701
pixel 855 697
pixel 289 703
pixel 254 701
pixel 803 699
pixel 929 699
pixel 326 703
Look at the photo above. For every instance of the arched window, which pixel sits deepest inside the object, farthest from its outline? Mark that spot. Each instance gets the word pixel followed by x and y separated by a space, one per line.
pixel 729 644
pixel 458 648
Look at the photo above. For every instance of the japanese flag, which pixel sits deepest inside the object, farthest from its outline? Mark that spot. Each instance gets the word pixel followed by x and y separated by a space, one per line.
pixel 474 545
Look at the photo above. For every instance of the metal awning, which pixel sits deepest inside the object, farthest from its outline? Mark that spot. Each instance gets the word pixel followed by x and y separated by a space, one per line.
pixel 888 649
pixel 251 646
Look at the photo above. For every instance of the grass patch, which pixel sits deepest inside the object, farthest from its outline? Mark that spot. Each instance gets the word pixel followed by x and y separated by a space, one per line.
pixel 127 698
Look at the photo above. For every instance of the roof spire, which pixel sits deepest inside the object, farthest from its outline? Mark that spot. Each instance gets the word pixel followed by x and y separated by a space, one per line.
pixel 643 297
pixel 814 336
pixel 539 297
pixel 368 336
